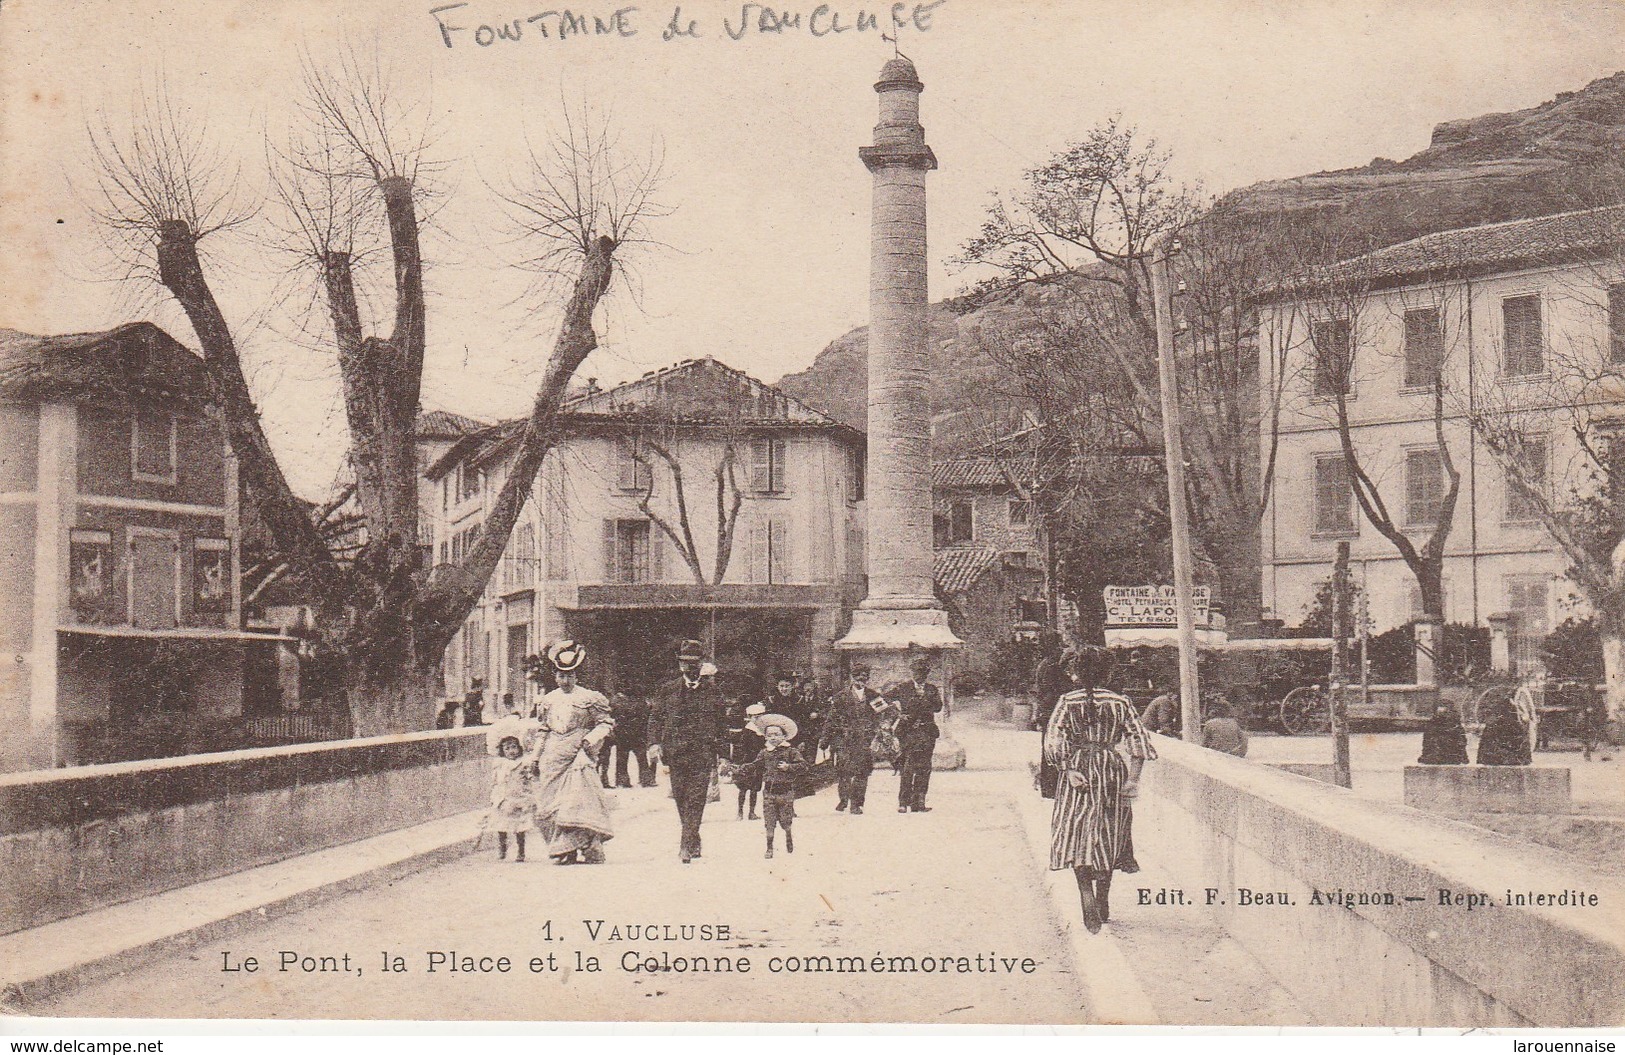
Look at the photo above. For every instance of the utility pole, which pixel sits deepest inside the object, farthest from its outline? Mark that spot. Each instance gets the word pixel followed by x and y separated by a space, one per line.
pixel 1337 699
pixel 1190 699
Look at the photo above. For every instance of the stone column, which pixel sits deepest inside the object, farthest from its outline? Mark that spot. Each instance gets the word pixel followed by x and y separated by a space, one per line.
pixel 900 616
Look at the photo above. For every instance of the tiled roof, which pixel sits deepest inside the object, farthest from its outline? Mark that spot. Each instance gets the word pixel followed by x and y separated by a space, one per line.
pixel 699 390
pixel 696 392
pixel 443 424
pixel 136 363
pixel 958 567
pixel 1559 238
pixel 975 472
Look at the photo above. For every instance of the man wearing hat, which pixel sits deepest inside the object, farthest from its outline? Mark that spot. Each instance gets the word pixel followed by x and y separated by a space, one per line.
pixel 687 732
pixel 855 714
pixel 917 734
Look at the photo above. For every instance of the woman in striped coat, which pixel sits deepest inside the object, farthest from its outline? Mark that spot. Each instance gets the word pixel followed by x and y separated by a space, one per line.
pixel 1090 828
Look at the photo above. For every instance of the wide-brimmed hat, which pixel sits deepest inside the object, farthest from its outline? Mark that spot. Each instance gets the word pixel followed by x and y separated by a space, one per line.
pixel 690 652
pixel 567 656
pixel 760 723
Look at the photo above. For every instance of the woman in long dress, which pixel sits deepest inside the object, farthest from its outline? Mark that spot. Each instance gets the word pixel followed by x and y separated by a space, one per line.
pixel 1090 828
pixel 572 811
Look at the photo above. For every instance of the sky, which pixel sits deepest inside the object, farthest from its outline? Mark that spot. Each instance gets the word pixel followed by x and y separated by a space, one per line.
pixel 764 256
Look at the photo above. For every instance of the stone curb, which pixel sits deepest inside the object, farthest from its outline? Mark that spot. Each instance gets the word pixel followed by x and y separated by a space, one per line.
pixel 1112 990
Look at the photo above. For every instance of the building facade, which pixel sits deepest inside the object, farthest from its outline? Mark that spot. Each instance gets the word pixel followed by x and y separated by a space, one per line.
pixel 1522 322
pixel 989 558
pixel 119 556
pixel 695 502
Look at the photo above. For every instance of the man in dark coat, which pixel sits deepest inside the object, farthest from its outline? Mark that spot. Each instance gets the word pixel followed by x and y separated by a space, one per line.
pixel 917 733
pixel 687 732
pixel 631 738
pixel 852 717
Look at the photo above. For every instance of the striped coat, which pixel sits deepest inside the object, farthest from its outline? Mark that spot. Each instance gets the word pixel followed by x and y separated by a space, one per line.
pixel 1090 827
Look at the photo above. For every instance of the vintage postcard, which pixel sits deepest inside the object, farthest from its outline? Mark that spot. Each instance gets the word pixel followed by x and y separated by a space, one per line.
pixel 1050 513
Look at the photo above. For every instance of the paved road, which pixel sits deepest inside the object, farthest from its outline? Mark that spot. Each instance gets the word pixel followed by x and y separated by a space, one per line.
pixel 958 882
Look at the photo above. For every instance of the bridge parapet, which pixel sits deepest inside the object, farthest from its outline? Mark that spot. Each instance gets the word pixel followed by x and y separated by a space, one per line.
pixel 1462 955
pixel 76 839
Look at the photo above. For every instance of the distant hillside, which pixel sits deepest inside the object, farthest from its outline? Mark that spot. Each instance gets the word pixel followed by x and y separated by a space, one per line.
pixel 1476 170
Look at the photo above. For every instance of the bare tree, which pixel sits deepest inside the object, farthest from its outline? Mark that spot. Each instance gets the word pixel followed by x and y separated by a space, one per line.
pixel 352 188
pixel 655 451
pixel 1338 310
pixel 1081 229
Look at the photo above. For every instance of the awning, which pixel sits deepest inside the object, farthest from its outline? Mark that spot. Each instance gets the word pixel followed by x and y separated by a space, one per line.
pixel 1159 637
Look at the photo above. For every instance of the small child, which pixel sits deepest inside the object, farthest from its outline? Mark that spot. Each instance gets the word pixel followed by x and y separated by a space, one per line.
pixel 781 768
pixel 745 745
pixel 513 796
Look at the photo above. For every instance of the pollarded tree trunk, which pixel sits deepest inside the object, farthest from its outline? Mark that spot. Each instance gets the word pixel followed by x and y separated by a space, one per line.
pixel 381 704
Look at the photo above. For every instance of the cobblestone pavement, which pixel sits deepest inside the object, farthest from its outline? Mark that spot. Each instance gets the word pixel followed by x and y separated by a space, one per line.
pixel 959 882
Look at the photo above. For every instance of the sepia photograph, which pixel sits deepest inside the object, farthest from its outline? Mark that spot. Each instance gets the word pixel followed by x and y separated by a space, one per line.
pixel 1030 514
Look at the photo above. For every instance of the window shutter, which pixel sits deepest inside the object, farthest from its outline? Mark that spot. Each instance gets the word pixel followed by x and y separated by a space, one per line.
pixel 778 552
pixel 1424 347
pixel 1522 333
pixel 1422 486
pixel 611 571
pixel 1332 495
pixel 655 566
pixel 776 450
pixel 1334 358
pixel 760 465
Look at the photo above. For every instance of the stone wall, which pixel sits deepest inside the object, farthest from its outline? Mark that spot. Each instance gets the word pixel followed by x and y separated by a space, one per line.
pixel 1237 825
pixel 72 840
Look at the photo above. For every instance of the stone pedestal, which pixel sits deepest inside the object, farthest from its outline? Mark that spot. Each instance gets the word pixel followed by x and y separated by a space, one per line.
pixel 1488 789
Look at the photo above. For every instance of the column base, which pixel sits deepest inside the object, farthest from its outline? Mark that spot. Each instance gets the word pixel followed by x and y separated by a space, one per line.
pixel 888 639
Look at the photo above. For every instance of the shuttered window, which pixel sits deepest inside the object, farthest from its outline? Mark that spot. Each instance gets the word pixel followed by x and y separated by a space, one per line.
pixel 1523 339
pixel 1334 357
pixel 769 552
pixel 1529 465
pixel 627 551
pixel 1424 347
pixel 1424 486
pixel 767 467
pixel 1334 498
pixel 631 470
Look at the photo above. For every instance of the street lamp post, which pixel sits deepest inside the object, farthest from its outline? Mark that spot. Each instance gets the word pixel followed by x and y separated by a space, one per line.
pixel 1190 700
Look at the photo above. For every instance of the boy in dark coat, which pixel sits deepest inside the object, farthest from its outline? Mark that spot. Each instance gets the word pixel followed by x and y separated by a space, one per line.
pixel 781 769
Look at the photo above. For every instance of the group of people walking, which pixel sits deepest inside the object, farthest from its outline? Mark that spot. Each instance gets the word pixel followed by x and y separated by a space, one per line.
pixel 550 769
